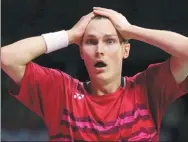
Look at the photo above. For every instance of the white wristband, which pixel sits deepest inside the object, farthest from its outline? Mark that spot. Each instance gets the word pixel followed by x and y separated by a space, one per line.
pixel 56 40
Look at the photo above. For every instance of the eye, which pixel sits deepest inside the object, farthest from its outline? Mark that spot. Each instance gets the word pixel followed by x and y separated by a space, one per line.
pixel 110 41
pixel 91 42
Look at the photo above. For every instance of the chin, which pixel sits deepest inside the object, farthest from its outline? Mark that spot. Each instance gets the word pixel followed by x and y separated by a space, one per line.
pixel 102 76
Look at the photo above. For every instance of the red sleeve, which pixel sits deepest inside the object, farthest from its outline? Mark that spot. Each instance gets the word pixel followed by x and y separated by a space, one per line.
pixel 162 85
pixel 43 88
pixel 162 88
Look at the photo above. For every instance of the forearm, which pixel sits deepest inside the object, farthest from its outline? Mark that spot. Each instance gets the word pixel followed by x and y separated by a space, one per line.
pixel 173 43
pixel 23 51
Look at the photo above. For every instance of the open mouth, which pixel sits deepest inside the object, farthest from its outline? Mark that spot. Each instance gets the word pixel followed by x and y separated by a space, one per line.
pixel 100 64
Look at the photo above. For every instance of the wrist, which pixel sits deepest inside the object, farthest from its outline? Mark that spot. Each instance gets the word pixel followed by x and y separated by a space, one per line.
pixel 128 32
pixel 134 32
pixel 55 41
pixel 71 37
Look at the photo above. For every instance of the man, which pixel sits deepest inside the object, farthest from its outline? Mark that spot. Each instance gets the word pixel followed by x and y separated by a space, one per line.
pixel 109 107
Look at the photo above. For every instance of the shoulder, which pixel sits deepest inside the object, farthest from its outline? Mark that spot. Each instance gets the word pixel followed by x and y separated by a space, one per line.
pixel 152 70
pixel 43 75
pixel 141 79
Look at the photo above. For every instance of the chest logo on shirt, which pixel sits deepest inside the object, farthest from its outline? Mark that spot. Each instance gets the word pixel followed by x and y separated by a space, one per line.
pixel 78 96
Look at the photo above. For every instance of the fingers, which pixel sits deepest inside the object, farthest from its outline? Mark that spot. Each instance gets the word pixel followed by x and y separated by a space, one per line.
pixel 104 9
pixel 100 8
pixel 90 15
pixel 102 13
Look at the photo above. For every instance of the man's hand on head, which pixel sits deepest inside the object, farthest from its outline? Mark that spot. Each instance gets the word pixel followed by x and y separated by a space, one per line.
pixel 118 20
pixel 76 32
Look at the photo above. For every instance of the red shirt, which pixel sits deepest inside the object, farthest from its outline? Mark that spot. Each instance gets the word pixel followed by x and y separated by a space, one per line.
pixel 70 112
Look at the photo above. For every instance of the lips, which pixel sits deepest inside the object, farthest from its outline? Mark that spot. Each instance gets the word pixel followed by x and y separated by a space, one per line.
pixel 100 64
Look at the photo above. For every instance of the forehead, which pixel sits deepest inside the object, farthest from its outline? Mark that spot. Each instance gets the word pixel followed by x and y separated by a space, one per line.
pixel 100 27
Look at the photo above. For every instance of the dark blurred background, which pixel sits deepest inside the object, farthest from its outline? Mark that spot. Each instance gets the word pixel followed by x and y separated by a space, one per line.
pixel 26 18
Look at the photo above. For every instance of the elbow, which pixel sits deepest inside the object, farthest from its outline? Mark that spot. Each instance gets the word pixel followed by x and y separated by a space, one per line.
pixel 186 48
pixel 183 49
pixel 5 57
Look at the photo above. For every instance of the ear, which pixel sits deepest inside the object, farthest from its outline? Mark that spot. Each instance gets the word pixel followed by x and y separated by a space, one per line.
pixel 126 49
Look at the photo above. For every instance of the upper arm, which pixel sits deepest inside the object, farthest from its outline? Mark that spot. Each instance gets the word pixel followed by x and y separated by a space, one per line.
pixel 167 81
pixel 179 69
pixel 164 85
pixel 43 87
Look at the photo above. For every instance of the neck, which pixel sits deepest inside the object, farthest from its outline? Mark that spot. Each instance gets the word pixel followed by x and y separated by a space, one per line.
pixel 101 87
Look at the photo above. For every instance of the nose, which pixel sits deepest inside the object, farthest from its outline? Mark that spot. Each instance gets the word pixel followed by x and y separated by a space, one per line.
pixel 100 49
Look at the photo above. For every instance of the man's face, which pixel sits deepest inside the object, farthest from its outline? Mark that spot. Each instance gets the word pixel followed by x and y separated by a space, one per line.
pixel 101 50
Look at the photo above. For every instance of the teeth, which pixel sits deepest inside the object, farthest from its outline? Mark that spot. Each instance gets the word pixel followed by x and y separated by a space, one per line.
pixel 100 64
